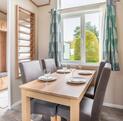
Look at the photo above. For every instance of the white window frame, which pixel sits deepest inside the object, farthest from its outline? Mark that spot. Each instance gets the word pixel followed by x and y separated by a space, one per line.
pixel 59 6
pixel 80 12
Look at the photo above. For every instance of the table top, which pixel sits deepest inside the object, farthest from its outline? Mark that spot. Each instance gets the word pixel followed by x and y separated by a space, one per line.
pixel 60 87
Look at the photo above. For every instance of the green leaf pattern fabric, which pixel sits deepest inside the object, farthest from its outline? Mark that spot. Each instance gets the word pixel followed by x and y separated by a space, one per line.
pixel 55 37
pixel 110 42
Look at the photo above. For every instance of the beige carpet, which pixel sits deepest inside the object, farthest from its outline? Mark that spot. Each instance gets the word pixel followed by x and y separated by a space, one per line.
pixel 3 99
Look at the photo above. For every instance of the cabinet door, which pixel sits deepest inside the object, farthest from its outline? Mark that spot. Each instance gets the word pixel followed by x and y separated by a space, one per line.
pixel 2 51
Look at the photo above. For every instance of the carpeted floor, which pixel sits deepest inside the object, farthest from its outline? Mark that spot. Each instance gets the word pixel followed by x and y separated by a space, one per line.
pixel 4 99
pixel 111 114
pixel 107 114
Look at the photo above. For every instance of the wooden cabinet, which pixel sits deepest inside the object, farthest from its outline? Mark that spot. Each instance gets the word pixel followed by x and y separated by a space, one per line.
pixel 3 25
pixel 2 51
pixel 3 83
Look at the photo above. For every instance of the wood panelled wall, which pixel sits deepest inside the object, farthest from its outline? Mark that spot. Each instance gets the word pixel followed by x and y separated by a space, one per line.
pixel 3 25
pixel 2 51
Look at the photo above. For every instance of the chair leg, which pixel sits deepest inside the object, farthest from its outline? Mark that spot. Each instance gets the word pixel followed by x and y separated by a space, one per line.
pixel 54 118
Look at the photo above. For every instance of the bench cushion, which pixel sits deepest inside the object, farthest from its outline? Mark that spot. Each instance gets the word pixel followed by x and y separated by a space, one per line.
pixel 3 74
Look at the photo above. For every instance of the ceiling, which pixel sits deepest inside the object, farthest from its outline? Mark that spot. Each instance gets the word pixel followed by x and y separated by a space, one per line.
pixel 3 5
pixel 40 2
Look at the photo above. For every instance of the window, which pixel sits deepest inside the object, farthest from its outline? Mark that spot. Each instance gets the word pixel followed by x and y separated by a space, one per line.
pixel 71 44
pixel 92 30
pixel 25 37
pixel 81 35
pixel 75 3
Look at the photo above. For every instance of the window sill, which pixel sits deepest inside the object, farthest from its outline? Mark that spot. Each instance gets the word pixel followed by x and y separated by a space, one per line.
pixel 78 65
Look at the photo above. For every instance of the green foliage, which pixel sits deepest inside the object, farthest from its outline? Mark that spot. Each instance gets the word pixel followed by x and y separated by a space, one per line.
pixel 92 45
pixel 76 46
pixel 77 32
pixel 93 29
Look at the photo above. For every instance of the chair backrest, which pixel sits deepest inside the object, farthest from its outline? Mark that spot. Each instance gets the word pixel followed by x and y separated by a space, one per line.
pixel 100 92
pixel 50 65
pixel 30 70
pixel 99 71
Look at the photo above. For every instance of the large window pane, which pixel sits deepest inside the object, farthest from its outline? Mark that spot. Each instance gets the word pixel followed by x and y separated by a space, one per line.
pixel 75 3
pixel 71 36
pixel 92 27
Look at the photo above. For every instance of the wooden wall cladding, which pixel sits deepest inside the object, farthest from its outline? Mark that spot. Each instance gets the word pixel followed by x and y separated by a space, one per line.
pixel 3 83
pixel 25 37
pixel 3 25
pixel 2 51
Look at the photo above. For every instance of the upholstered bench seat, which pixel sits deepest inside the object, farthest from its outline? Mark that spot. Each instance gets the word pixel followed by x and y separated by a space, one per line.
pixel 3 74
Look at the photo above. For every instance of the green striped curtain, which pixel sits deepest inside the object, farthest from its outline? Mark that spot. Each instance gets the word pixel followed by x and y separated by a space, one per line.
pixel 110 42
pixel 55 37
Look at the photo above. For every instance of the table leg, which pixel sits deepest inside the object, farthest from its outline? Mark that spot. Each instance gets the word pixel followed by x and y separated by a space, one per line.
pixel 58 118
pixel 54 118
pixel 26 112
pixel 75 111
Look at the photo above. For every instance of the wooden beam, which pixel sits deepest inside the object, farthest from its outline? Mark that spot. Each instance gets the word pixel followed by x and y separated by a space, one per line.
pixel 40 5
pixel 17 36
pixel 3 12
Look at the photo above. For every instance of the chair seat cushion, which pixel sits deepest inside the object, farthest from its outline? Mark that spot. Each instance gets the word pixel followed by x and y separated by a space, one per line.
pixel 43 107
pixel 90 92
pixel 85 110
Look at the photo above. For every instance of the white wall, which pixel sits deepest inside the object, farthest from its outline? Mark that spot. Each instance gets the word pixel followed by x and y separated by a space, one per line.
pixel 114 93
pixel 15 91
pixel 44 28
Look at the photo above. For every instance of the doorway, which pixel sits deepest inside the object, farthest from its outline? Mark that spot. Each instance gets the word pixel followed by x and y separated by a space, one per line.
pixel 3 57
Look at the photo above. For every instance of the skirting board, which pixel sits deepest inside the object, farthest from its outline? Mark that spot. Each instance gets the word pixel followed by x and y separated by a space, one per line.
pixel 113 105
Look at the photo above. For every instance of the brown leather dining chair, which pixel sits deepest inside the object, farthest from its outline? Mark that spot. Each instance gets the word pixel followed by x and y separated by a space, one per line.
pixel 90 108
pixel 49 64
pixel 31 71
pixel 92 89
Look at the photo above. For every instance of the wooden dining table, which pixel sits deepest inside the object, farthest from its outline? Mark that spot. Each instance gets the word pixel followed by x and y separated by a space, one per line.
pixel 58 91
